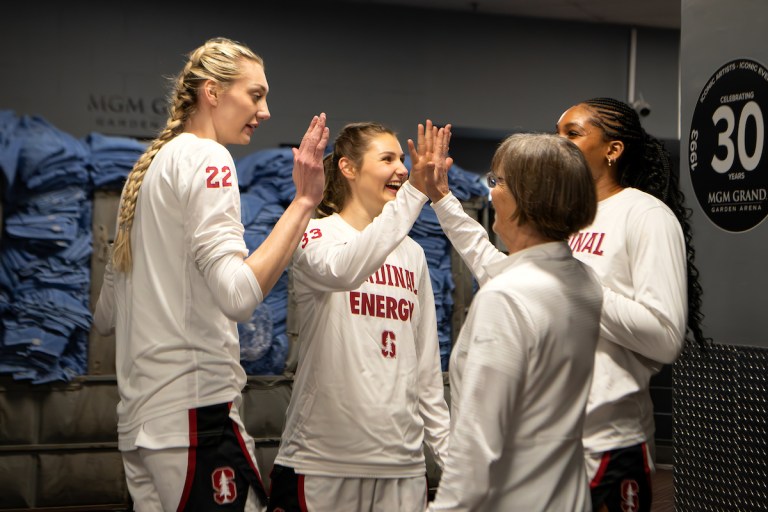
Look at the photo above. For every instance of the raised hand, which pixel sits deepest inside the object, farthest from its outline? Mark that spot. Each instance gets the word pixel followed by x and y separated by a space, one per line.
pixel 422 162
pixel 430 160
pixel 308 175
pixel 437 180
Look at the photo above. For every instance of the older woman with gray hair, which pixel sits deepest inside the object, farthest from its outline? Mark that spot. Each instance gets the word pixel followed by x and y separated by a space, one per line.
pixel 521 369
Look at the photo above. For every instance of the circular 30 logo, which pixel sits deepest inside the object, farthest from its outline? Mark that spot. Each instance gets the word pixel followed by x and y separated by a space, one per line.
pixel 727 155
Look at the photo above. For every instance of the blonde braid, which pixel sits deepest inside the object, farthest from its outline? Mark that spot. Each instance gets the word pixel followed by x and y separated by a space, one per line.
pixel 121 250
pixel 215 60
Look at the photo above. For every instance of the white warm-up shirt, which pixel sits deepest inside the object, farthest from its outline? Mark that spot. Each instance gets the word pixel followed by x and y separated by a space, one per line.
pixel 637 248
pixel 519 373
pixel 174 314
pixel 368 391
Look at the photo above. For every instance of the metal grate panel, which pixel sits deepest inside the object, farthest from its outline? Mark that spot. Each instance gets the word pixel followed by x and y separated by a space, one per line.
pixel 720 402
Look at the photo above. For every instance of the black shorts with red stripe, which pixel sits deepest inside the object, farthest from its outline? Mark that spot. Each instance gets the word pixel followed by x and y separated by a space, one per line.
pixel 286 493
pixel 220 469
pixel 623 481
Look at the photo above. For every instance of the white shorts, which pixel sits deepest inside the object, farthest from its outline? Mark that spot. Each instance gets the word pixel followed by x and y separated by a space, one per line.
pixel 293 492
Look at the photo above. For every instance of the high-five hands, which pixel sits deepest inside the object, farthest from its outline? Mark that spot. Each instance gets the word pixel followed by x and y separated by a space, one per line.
pixel 308 175
pixel 430 161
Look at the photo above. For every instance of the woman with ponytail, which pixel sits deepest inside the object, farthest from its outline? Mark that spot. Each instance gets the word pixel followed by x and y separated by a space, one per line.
pixel 180 279
pixel 640 247
pixel 368 393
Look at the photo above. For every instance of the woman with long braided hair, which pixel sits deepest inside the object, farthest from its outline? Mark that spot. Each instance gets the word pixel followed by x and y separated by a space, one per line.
pixel 640 246
pixel 180 279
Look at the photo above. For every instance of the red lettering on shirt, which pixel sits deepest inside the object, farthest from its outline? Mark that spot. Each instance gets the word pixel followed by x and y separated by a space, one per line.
pixel 380 277
pixel 399 277
pixel 380 306
pixel 390 275
pixel 587 242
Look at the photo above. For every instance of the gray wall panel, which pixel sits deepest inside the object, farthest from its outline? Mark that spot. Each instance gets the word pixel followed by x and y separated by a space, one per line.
pixel 19 416
pixel 80 414
pixel 357 62
pixel 18 480
pixel 81 478
pixel 732 265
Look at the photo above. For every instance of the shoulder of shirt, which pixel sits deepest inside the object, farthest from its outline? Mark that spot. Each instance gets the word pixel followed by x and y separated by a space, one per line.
pixel 642 202
pixel 324 224
pixel 320 221
pixel 411 243
pixel 511 287
pixel 194 146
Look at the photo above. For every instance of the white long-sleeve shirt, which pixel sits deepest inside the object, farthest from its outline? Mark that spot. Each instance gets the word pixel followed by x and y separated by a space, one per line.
pixel 636 247
pixel 368 390
pixel 519 375
pixel 174 314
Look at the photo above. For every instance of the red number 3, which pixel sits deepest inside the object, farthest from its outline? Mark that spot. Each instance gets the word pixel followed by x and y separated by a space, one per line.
pixel 312 234
pixel 388 347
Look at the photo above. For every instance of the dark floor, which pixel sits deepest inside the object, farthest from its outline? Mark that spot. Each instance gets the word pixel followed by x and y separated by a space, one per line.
pixel 663 490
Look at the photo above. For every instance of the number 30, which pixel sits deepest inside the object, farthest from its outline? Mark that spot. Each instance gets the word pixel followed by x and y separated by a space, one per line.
pixel 748 162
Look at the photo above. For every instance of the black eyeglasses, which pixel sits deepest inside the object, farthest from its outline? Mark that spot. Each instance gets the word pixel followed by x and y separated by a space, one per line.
pixel 493 180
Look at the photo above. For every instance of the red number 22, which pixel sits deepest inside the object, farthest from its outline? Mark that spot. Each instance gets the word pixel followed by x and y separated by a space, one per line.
pixel 213 182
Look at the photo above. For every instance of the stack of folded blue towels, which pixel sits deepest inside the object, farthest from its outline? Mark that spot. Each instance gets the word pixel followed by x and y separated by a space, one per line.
pixel 48 178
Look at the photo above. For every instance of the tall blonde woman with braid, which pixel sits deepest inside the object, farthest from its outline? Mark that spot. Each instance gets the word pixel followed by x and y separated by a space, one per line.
pixel 181 277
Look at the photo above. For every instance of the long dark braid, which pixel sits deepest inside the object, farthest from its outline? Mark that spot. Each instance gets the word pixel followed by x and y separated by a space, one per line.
pixel 645 164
